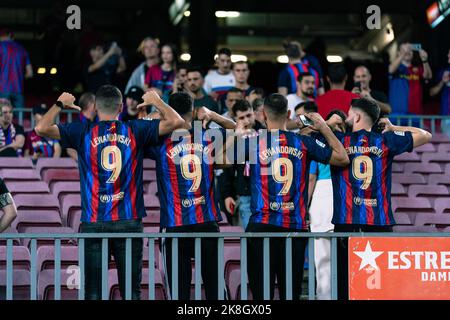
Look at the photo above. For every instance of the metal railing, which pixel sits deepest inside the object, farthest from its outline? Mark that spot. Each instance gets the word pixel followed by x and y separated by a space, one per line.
pixel 26 113
pixel 430 122
pixel 151 237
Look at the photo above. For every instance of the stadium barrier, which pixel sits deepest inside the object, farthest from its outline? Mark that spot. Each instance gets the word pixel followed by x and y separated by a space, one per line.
pixel 151 237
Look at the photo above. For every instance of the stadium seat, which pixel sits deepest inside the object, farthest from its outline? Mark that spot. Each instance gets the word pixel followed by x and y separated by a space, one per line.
pixel 444 147
pixel 21 258
pixel 38 218
pixel 160 292
pixel 403 218
pixel 436 157
pixel 432 219
pixel 407 179
pixel 439 179
pixel 15 163
pixel 427 191
pixel 232 258
pixel 36 201
pixel 70 203
pixel 151 202
pixel 428 147
pixel 61 188
pixel 152 218
pixel 224 221
pixel 152 188
pixel 442 205
pixel 234 286
pixel 149 176
pixel 19 175
pixel 47 230
pixel 411 204
pixel 16 187
pixel 422 168
pixel 408 157
pixel 11 231
pixel 46 284
pixel 415 229
pixel 52 175
pixel 447 169
pixel 398 167
pixel 45 257
pixel 74 220
pixel 233 229
pixel 398 190
pixel 440 138
pixel 149 164
pixel 52 163
pixel 21 285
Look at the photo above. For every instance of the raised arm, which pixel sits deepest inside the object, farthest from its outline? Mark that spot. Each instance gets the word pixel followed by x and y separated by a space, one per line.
pixel 419 136
pixel 47 127
pixel 206 115
pixel 170 119
pixel 339 156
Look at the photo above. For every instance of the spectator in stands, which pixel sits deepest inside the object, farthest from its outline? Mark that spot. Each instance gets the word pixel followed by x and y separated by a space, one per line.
pixel 405 81
pixel 149 48
pixel 111 186
pixel 8 207
pixel 361 194
pixel 87 105
pixel 104 66
pixel 12 136
pixel 160 77
pixel 235 180
pixel 179 84
pixel 320 198
pixel 39 147
pixel 255 93
pixel 443 86
pixel 132 99
pixel 218 82
pixel 257 106
pixel 241 73
pixel 299 62
pixel 361 79
pixel 233 95
pixel 194 85
pixel 305 107
pixel 14 65
pixel 337 97
pixel 305 91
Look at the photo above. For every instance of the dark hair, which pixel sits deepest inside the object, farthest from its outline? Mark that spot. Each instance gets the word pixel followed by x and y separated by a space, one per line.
pixel 258 90
pixel 340 113
pixel 234 89
pixel 309 106
pixel 367 106
pixel 97 44
pixel 108 99
pixel 304 74
pixel 276 104
pixel 240 105
pixel 257 103
pixel 292 49
pixel 181 102
pixel 337 73
pixel 183 66
pixel 225 51
pixel 85 99
pixel 195 69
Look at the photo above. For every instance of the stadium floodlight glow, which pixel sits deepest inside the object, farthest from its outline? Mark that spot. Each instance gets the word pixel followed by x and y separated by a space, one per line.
pixel 187 13
pixel 227 14
pixel 41 70
pixel 185 57
pixel 283 59
pixel 53 71
pixel 334 58
pixel 238 57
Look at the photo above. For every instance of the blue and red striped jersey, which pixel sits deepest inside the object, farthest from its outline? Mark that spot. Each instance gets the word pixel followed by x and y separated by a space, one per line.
pixel 36 144
pixel 279 173
pixel 288 76
pixel 110 160
pixel 185 166
pixel 362 190
pixel 13 60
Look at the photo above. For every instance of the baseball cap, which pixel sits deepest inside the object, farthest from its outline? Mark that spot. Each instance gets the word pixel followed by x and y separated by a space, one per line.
pixel 135 93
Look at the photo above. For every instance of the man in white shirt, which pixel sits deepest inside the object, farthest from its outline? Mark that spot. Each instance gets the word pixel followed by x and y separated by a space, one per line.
pixel 305 91
pixel 218 82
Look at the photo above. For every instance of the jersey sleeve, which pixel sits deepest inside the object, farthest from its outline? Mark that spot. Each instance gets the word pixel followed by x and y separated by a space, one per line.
pixel 399 142
pixel 317 149
pixel 147 131
pixel 72 134
pixel 313 168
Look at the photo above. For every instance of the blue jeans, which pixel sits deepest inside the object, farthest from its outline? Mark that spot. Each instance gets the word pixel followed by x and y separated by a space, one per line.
pixel 116 247
pixel 244 209
pixel 16 99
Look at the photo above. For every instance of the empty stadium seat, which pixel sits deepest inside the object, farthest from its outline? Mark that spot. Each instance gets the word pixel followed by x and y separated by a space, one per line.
pixel 427 191
pixel 442 205
pixel 224 221
pixel 52 163
pixel 45 257
pixel 408 157
pixel 415 229
pixel 439 179
pixel 38 218
pixel 21 285
pixel 444 147
pixel 11 231
pixel 436 157
pixel 403 218
pixel 70 203
pixel 152 188
pixel 411 204
pixel 407 179
pixel 432 219
pixel 149 164
pixel 421 167
pixel 149 175
pixel 398 167
pixel 36 201
pixel 440 138
pixel 152 218
pixel 19 175
pixel 52 175
pixel 14 162
pixel 61 188
pixel 21 258
pixel 46 285
pixel 74 220
pixel 398 190
pixel 151 202
pixel 45 231
pixel 27 187
pixel 428 147
pixel 160 292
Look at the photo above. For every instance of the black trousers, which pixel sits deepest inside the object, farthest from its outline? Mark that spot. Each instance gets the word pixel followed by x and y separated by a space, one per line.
pixel 342 253
pixel 116 247
pixel 255 258
pixel 186 251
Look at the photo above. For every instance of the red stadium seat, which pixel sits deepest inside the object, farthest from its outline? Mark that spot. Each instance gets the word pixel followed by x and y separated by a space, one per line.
pixel 46 285
pixel 36 201
pixel 27 187
pixel 52 163
pixel 37 218
pixel 70 203
pixel 61 188
pixel 45 257
pixel 14 162
pixel 52 175
pixel 47 230
pixel 21 258
pixel 21 285
pixel 19 175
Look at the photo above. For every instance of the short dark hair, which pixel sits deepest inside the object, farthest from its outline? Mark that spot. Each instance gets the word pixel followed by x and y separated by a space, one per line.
pixel 181 102
pixel 258 90
pixel 183 65
pixel 225 51
pixel 304 74
pixel 240 105
pixel 234 89
pixel 196 69
pixel 340 113
pixel 85 99
pixel 309 106
pixel 108 99
pixel 292 49
pixel 367 106
pixel 337 73
pixel 276 105
pixel 257 103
